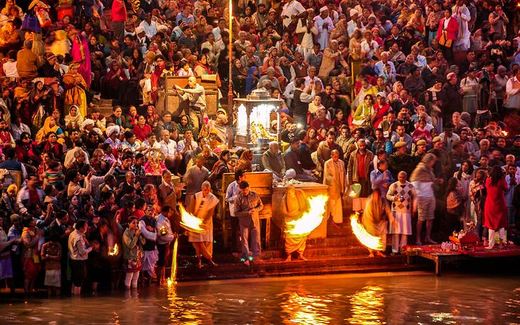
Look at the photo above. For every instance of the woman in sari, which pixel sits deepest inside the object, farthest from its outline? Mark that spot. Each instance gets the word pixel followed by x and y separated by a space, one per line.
pixel 49 126
pixel 81 54
pixel 73 120
pixel 38 95
pixel 364 112
pixel 75 85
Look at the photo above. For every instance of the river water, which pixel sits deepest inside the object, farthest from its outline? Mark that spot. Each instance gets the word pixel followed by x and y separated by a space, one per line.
pixel 414 298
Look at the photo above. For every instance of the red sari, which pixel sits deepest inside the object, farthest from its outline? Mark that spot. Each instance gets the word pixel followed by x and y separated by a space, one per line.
pixel 495 209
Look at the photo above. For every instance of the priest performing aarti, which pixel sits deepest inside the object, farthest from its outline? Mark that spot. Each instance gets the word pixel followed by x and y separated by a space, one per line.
pixel 294 205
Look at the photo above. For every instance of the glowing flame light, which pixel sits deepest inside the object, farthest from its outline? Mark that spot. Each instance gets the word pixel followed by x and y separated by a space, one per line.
pixel 189 221
pixel 310 219
pixel 372 242
pixel 171 280
pixel 114 251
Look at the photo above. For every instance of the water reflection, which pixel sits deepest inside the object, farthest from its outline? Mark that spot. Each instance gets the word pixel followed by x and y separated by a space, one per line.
pixel 367 306
pixel 316 300
pixel 300 307
pixel 188 311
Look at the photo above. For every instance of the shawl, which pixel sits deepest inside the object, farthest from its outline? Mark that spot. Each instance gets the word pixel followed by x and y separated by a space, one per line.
pixel 77 120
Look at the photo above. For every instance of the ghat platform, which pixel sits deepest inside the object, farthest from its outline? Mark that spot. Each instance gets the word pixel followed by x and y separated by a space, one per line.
pixel 441 256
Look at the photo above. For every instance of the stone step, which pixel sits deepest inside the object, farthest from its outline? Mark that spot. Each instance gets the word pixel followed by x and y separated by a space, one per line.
pixel 277 267
pixel 354 251
pixel 321 252
pixel 348 239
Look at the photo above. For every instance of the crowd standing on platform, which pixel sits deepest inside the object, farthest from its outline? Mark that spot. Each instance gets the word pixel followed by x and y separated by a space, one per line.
pixel 417 101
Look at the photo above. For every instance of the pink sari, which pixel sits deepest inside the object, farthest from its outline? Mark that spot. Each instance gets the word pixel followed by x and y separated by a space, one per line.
pixel 81 54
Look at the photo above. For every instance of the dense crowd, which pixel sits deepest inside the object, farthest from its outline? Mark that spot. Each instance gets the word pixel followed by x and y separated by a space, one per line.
pixel 413 104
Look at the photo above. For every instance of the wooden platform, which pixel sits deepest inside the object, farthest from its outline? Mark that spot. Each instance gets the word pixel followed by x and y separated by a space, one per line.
pixel 439 256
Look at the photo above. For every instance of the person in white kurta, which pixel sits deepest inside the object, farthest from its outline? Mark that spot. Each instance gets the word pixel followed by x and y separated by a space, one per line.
pixel 324 25
pixel 403 198
pixel 463 16
pixel 334 176
pixel 291 10
pixel 205 204
pixel 306 27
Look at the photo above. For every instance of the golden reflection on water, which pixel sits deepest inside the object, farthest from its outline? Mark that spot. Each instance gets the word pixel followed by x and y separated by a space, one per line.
pixel 299 307
pixel 367 306
pixel 189 311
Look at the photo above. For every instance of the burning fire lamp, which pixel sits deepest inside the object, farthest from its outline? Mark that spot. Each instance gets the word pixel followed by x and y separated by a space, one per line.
pixel 254 117
pixel 310 219
pixel 189 221
pixel 114 251
pixel 372 242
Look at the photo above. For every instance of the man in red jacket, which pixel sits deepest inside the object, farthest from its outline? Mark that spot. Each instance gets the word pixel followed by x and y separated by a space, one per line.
pixel 447 34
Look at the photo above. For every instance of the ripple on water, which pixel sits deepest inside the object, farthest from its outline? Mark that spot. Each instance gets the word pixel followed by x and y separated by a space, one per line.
pixel 315 300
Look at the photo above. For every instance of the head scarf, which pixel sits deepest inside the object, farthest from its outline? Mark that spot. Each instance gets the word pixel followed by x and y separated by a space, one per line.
pixel 46 129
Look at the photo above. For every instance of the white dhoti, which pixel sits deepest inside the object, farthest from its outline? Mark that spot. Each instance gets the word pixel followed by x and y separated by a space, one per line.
pixel 402 223
pixel 150 258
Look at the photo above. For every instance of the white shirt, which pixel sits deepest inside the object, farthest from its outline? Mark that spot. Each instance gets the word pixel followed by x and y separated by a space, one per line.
pixel 231 193
pixel 289 90
pixel 351 28
pixel 18 130
pixel 169 149
pixel 423 189
pixel 292 8
pixel 369 49
pixel 308 81
pixel 150 30
pixel 513 93
pixel 10 69
pixel 216 32
pixel 182 144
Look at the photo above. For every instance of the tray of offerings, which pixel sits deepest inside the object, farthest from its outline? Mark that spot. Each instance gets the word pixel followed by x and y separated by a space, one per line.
pixel 465 240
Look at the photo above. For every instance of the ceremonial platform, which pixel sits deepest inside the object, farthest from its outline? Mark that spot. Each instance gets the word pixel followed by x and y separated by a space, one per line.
pixel 441 256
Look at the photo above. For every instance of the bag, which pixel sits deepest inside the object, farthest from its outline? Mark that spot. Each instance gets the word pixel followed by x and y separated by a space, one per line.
pixel 444 41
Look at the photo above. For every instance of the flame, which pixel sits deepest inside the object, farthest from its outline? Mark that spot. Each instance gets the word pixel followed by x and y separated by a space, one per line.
pixel 189 221
pixel 114 251
pixel 310 219
pixel 173 275
pixel 372 242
